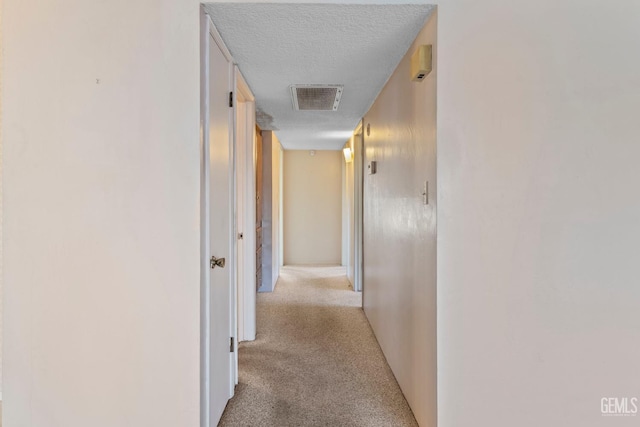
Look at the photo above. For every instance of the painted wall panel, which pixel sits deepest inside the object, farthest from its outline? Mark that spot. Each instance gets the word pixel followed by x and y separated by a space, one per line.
pixel 313 207
pixel 400 230
pixel 101 213
pixel 539 219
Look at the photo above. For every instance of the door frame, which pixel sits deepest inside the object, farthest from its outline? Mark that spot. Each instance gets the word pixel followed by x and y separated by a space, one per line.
pixel 358 200
pixel 245 123
pixel 207 31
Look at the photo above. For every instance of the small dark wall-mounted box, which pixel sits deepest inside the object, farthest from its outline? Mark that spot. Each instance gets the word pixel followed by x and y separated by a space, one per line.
pixel 371 167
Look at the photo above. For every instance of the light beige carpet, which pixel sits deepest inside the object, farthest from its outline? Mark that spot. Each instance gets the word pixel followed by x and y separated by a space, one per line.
pixel 315 361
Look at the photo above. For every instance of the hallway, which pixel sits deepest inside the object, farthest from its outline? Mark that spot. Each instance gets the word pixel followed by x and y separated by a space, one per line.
pixel 315 361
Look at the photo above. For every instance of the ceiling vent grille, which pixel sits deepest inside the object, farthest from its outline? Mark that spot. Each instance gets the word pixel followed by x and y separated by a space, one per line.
pixel 316 97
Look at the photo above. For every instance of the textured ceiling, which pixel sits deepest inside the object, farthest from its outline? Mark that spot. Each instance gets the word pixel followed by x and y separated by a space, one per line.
pixel 280 44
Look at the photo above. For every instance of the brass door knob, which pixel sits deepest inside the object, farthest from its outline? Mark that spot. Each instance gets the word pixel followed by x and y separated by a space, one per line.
pixel 217 262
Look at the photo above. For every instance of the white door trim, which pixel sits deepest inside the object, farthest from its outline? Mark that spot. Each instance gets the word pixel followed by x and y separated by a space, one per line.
pixel 233 230
pixel 213 31
pixel 205 313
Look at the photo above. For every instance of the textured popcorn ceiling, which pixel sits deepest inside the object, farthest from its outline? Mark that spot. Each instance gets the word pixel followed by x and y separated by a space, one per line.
pixel 280 44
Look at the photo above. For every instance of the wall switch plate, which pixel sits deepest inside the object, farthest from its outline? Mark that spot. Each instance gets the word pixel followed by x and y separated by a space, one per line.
pixel 371 167
pixel 425 193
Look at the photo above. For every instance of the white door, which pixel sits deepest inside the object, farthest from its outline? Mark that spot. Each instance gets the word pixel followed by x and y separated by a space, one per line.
pixel 219 182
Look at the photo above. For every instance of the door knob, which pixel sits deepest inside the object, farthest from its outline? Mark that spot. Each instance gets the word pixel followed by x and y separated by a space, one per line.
pixel 217 262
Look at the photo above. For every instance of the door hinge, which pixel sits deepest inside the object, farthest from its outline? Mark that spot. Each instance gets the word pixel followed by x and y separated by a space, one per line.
pixel 231 346
pixel 230 99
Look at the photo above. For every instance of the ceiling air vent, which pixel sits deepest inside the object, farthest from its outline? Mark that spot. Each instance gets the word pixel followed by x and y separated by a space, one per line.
pixel 316 97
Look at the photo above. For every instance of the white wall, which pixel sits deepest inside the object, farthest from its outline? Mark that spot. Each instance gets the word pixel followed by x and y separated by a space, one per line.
pixel 345 225
pixel 277 236
pixel 101 213
pixel 313 207
pixel 539 219
pixel 1 205
pixel 271 206
pixel 400 230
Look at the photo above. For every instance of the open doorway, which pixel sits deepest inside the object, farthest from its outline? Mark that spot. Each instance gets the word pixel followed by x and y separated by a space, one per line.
pixel 352 208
